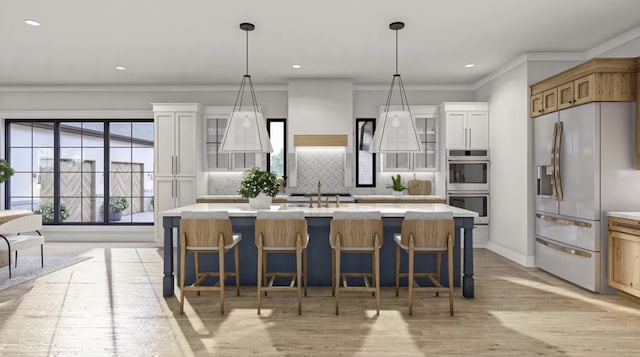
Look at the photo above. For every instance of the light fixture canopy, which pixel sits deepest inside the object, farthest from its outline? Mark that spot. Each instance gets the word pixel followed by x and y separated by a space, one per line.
pixel 246 129
pixel 396 130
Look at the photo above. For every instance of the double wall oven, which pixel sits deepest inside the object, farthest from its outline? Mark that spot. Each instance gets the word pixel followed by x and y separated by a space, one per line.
pixel 468 181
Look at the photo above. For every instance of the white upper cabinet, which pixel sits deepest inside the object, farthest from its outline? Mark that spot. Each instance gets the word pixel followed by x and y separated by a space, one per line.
pixel 466 125
pixel 176 149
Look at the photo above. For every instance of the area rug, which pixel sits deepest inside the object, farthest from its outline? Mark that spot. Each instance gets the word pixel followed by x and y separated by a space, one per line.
pixel 29 268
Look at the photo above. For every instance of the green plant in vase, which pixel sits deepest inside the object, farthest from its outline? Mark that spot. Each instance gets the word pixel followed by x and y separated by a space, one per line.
pixel 48 214
pixel 117 204
pixel 259 187
pixel 397 185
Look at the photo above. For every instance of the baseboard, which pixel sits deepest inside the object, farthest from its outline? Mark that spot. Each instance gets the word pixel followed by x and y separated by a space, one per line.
pixel 527 261
pixel 98 234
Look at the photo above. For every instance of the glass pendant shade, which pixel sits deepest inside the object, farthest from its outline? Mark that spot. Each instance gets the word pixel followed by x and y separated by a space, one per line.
pixel 246 129
pixel 396 132
pixel 246 132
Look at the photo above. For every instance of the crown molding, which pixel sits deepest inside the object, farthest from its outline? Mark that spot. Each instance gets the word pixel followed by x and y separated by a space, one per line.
pixel 612 43
pixel 139 88
pixel 416 87
pixel 76 114
pixel 529 57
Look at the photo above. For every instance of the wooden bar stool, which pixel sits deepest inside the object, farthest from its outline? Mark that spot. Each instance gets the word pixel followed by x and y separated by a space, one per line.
pixel 207 232
pixel 356 232
pixel 281 232
pixel 426 232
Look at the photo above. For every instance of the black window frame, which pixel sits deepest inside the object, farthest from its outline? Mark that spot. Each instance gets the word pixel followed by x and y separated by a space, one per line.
pixel 286 137
pixel 357 150
pixel 56 166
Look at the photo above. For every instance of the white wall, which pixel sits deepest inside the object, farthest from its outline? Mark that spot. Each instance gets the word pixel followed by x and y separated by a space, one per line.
pixel 510 211
pixel 366 102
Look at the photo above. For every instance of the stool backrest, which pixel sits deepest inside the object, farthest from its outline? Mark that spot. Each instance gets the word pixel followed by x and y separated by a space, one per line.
pixel 429 229
pixel 280 229
pixel 22 224
pixel 356 228
pixel 203 229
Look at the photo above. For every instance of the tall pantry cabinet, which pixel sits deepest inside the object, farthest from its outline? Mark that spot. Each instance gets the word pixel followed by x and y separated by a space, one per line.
pixel 177 144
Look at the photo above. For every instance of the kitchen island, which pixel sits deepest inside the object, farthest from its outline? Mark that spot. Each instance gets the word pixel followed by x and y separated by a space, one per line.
pixel 319 253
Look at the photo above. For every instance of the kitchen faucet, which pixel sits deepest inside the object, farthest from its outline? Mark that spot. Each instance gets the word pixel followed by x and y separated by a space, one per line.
pixel 319 195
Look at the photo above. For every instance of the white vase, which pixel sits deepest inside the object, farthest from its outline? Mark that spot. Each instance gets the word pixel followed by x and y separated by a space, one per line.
pixel 397 193
pixel 261 201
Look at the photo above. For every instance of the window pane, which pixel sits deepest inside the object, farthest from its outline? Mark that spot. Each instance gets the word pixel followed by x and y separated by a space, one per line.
pixel 43 134
pixel 70 134
pixel 143 157
pixel 277 137
pixel 366 159
pixel 21 159
pixel 120 159
pixel 120 134
pixel 142 132
pixel 20 134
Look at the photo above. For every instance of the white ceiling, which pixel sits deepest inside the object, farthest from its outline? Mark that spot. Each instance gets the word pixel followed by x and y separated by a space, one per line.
pixel 198 42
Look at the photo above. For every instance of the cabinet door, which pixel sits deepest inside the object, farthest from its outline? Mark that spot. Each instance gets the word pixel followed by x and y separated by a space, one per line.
pixel 185 191
pixel 583 90
pixel 393 162
pixel 478 130
pixel 186 150
pixel 550 100
pixel 164 196
pixel 536 105
pixel 565 96
pixel 456 132
pixel 164 144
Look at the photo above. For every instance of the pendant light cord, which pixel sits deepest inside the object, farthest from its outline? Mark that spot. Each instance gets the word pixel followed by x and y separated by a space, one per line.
pixel 246 72
pixel 396 51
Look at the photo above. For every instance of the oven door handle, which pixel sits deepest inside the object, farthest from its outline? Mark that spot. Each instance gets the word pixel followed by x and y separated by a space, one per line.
pixel 469 161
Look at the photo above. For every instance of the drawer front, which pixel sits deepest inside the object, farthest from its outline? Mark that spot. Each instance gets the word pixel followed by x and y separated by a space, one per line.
pixel 624 225
pixel 580 267
pixel 580 234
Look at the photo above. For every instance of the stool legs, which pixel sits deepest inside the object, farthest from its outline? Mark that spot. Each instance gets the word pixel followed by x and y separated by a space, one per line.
pixel 397 269
pixel 260 271
pixel 236 258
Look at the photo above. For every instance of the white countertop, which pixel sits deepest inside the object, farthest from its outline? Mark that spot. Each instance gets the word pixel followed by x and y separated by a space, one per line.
pixel 403 197
pixel 627 215
pixel 372 197
pixel 387 209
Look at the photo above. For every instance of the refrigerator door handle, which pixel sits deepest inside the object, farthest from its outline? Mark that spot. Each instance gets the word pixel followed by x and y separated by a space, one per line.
pixel 558 162
pixel 578 252
pixel 554 191
pixel 565 221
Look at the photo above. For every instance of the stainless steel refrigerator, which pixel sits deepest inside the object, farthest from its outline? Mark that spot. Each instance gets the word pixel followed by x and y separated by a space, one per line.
pixel 584 166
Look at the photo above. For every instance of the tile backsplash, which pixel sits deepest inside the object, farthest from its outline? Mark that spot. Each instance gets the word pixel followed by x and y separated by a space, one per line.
pixel 223 183
pixel 326 166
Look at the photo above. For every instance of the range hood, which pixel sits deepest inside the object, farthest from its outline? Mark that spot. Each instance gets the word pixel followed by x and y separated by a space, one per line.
pixel 320 140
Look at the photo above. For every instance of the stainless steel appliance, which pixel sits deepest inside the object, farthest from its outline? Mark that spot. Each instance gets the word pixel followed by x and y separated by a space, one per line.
pixel 468 170
pixel 472 201
pixel 584 166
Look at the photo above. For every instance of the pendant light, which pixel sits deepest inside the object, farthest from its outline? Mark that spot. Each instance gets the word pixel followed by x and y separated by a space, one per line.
pixel 396 130
pixel 246 129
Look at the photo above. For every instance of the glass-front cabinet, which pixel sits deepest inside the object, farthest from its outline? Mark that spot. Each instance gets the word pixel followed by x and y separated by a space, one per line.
pixel 215 160
pixel 427 160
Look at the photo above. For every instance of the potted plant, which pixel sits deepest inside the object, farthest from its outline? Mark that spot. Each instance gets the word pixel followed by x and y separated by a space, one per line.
pixel 6 171
pixel 397 185
pixel 46 210
pixel 259 187
pixel 117 204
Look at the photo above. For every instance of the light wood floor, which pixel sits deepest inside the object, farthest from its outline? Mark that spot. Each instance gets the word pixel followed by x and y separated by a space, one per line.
pixel 113 305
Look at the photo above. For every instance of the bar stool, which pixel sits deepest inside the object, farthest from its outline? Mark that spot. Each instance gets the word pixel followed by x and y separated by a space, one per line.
pixel 207 232
pixel 281 232
pixel 356 232
pixel 426 232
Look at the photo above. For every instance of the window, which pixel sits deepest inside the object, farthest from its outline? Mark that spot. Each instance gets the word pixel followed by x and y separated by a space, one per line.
pixel 67 170
pixel 365 160
pixel 277 160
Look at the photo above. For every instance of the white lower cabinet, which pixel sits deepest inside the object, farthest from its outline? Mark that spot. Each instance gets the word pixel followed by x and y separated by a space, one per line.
pixel 172 192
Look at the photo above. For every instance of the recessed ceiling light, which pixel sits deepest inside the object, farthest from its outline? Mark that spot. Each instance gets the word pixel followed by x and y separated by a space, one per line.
pixel 31 22
pixel 469 65
pixel 120 68
pixel 297 66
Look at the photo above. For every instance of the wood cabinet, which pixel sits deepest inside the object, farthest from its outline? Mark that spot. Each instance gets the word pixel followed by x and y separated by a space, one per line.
pixel 624 255
pixel 466 125
pixel 600 79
